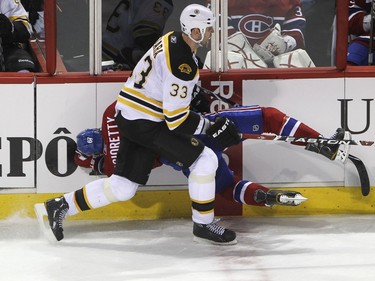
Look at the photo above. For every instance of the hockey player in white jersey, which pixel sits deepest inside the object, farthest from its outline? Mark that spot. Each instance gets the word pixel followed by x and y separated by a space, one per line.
pixel 132 28
pixel 15 30
pixel 154 118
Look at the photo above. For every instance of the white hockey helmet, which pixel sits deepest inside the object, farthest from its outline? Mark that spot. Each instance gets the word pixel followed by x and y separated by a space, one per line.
pixel 196 16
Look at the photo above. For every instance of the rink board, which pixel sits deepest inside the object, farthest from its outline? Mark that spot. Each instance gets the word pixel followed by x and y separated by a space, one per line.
pixel 54 114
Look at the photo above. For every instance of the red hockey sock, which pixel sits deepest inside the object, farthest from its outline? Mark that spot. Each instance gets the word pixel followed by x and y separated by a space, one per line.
pixel 244 192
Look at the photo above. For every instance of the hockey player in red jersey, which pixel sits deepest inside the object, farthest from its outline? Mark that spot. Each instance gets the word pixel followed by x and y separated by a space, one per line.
pixel 98 152
pixel 359 29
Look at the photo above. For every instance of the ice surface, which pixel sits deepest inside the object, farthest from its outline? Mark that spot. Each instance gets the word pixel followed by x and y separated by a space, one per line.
pixel 320 248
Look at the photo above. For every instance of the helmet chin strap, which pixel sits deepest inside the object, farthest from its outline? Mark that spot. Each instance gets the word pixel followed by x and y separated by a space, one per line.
pixel 203 31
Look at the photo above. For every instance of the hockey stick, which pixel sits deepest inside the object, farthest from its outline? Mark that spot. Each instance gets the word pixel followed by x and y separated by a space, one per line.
pixel 217 96
pixel 306 140
pixel 363 175
pixel 372 13
pixel 359 165
pixel 2 61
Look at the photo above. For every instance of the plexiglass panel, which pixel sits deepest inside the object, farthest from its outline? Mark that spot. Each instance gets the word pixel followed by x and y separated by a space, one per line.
pixel 73 34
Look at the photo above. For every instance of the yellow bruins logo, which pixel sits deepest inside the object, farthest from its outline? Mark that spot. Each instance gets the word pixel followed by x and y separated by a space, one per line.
pixel 194 142
pixel 185 68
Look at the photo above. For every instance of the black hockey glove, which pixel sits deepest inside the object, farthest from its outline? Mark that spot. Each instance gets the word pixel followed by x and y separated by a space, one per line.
pixel 224 132
pixel 6 26
pixel 200 104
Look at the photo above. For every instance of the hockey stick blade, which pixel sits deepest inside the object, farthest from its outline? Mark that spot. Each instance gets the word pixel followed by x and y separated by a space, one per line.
pixel 362 173
pixel 305 140
pixel 360 166
pixel 42 217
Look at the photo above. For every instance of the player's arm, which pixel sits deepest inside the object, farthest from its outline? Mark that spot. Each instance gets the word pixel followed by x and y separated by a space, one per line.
pixel 15 25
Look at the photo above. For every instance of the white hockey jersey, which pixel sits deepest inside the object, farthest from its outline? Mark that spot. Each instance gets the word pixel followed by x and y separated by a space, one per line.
pixel 14 10
pixel 161 85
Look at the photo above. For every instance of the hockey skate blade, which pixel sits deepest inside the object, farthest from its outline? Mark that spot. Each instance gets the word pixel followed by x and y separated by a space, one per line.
pixel 297 199
pixel 210 242
pixel 42 217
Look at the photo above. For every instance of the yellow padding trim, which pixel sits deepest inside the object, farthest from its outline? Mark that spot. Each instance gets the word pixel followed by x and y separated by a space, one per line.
pixel 177 204
pixel 202 179
pixel 144 205
pixel 321 201
pixel 202 202
pixel 205 212
pixel 108 191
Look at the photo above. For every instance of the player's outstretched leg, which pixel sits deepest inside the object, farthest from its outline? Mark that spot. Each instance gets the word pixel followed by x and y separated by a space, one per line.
pixel 326 149
pixel 278 197
pixel 57 209
pixel 214 234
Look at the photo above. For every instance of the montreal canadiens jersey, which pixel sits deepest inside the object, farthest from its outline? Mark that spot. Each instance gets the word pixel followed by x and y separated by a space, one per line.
pixel 358 9
pixel 133 19
pixel 14 10
pixel 255 19
pixel 161 84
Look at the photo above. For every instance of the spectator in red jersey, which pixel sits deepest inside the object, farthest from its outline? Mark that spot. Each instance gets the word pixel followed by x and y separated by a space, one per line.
pixel 359 29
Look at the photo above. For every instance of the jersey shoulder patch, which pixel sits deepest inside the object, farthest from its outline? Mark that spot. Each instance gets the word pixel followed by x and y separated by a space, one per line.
pixel 182 62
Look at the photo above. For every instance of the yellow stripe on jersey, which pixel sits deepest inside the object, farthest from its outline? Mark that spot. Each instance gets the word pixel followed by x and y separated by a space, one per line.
pixel 166 48
pixel 142 96
pixel 176 117
pixel 22 19
pixel 140 102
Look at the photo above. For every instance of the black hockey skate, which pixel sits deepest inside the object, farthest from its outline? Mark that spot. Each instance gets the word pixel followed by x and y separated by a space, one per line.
pixel 214 234
pixel 279 197
pixel 56 211
pixel 326 149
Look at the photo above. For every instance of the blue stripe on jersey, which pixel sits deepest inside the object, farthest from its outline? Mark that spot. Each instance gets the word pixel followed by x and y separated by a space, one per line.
pixel 289 127
pixel 239 191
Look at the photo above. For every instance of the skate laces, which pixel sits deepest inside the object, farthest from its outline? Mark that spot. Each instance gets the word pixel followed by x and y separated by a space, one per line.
pixel 62 215
pixel 215 228
pixel 61 212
